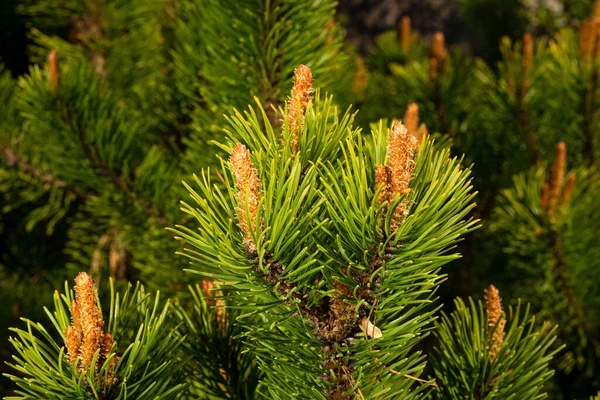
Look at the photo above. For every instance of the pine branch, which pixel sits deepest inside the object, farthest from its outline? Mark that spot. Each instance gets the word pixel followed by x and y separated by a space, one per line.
pixel 12 160
pixel 564 283
pixel 524 122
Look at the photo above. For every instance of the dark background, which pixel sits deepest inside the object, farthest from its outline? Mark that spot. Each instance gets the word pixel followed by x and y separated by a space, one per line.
pixel 475 25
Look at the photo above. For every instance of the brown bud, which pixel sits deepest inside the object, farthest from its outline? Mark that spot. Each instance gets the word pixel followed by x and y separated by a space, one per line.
pixel 434 67
pixel 493 307
pixel 527 60
pixel 557 175
pixel 53 71
pixel 568 189
pixel 411 119
pixel 400 160
pixel 438 50
pixel 584 39
pixel 545 197
pixel 406 34
pixel 597 9
pixel 301 95
pixel 527 52
pixel 588 38
pixel 248 196
pixel 90 319
pixel 207 287
pixel 86 336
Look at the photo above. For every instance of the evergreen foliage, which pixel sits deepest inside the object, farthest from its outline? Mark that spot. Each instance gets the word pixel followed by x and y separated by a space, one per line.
pixel 481 358
pixel 141 362
pixel 509 121
pixel 250 49
pixel 315 277
pixel 221 366
pixel 550 256
pixel 318 237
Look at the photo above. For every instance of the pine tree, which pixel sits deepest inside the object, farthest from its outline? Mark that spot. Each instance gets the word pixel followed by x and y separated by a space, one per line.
pixel 317 249
pixel 101 132
pixel 343 300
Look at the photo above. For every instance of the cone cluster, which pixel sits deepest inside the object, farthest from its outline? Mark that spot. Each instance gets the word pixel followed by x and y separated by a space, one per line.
pixel 86 336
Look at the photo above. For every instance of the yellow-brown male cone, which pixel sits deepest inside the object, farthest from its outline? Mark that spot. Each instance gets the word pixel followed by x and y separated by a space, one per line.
pixel 406 35
pixel 434 67
pixel 301 94
pixel 400 160
pixel 493 307
pixel 587 38
pixel 53 71
pixel 86 335
pixel 438 50
pixel 527 51
pixel 248 195
pixel 411 119
pixel 90 318
pixel 527 59
pixel 568 189
pixel 557 175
